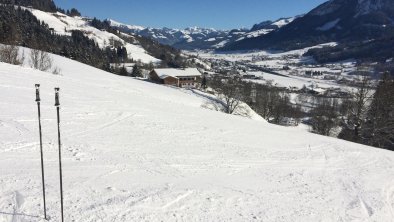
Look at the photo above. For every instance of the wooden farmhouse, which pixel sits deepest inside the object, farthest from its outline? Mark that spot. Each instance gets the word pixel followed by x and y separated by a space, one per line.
pixel 185 78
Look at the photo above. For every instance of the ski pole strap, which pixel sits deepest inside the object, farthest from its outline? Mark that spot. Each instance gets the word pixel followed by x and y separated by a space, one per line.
pixel 57 103
pixel 38 93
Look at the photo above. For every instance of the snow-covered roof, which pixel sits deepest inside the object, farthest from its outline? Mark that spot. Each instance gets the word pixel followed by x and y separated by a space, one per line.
pixel 162 73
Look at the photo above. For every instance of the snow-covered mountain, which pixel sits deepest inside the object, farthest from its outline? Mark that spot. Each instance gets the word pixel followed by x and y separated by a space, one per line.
pixel 137 151
pixel 273 24
pixel 175 37
pixel 333 21
pixel 63 25
pixel 201 38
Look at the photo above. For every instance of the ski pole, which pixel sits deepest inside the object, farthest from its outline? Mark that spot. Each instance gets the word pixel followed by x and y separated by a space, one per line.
pixel 38 100
pixel 57 104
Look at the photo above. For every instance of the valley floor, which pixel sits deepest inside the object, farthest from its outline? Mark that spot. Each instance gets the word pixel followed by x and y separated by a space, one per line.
pixel 135 151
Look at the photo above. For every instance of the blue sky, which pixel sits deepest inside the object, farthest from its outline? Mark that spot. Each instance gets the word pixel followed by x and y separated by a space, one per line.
pixel 219 14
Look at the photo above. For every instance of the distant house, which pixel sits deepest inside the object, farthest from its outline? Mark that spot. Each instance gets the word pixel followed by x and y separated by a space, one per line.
pixel 185 78
pixel 249 76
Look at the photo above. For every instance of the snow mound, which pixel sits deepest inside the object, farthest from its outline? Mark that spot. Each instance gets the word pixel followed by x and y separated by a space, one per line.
pixel 136 151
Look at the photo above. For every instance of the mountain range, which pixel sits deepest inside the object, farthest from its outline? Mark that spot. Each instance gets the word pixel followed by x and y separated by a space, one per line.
pixel 201 38
pixel 333 21
pixel 363 29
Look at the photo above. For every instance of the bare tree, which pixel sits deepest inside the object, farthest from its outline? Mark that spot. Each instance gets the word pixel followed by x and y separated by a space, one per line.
pixel 266 100
pixel 40 60
pixel 274 105
pixel 229 91
pixel 282 108
pixel 10 54
pixel 56 71
pixel 356 109
pixel 324 117
pixel 232 95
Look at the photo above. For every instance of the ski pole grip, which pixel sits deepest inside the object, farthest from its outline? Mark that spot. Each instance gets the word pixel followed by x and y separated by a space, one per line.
pixel 57 103
pixel 38 93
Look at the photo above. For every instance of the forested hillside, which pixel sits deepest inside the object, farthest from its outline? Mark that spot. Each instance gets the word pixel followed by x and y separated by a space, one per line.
pixel 21 27
pixel 378 50
pixel 169 56
pixel 43 5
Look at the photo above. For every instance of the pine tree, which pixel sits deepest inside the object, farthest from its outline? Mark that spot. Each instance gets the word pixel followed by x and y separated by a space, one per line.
pixel 121 53
pixel 379 128
pixel 123 71
pixel 204 82
pixel 74 12
pixel 137 72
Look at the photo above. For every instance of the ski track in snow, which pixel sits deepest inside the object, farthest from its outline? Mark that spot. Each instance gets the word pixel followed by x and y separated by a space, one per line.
pixel 136 151
pixel 120 118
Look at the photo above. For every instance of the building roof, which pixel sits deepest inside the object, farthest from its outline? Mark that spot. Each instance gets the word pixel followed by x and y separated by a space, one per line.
pixel 163 73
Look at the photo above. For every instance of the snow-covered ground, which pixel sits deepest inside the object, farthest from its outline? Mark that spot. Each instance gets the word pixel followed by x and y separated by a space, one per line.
pixel 297 65
pixel 293 81
pixel 136 151
pixel 63 25
pixel 249 55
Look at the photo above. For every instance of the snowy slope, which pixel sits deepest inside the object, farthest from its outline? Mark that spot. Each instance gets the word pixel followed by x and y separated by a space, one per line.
pixel 284 21
pixel 267 27
pixel 63 25
pixel 121 25
pixel 136 151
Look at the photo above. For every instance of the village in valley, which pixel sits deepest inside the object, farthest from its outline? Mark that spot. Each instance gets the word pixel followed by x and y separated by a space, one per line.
pixel 298 79
pixel 305 81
